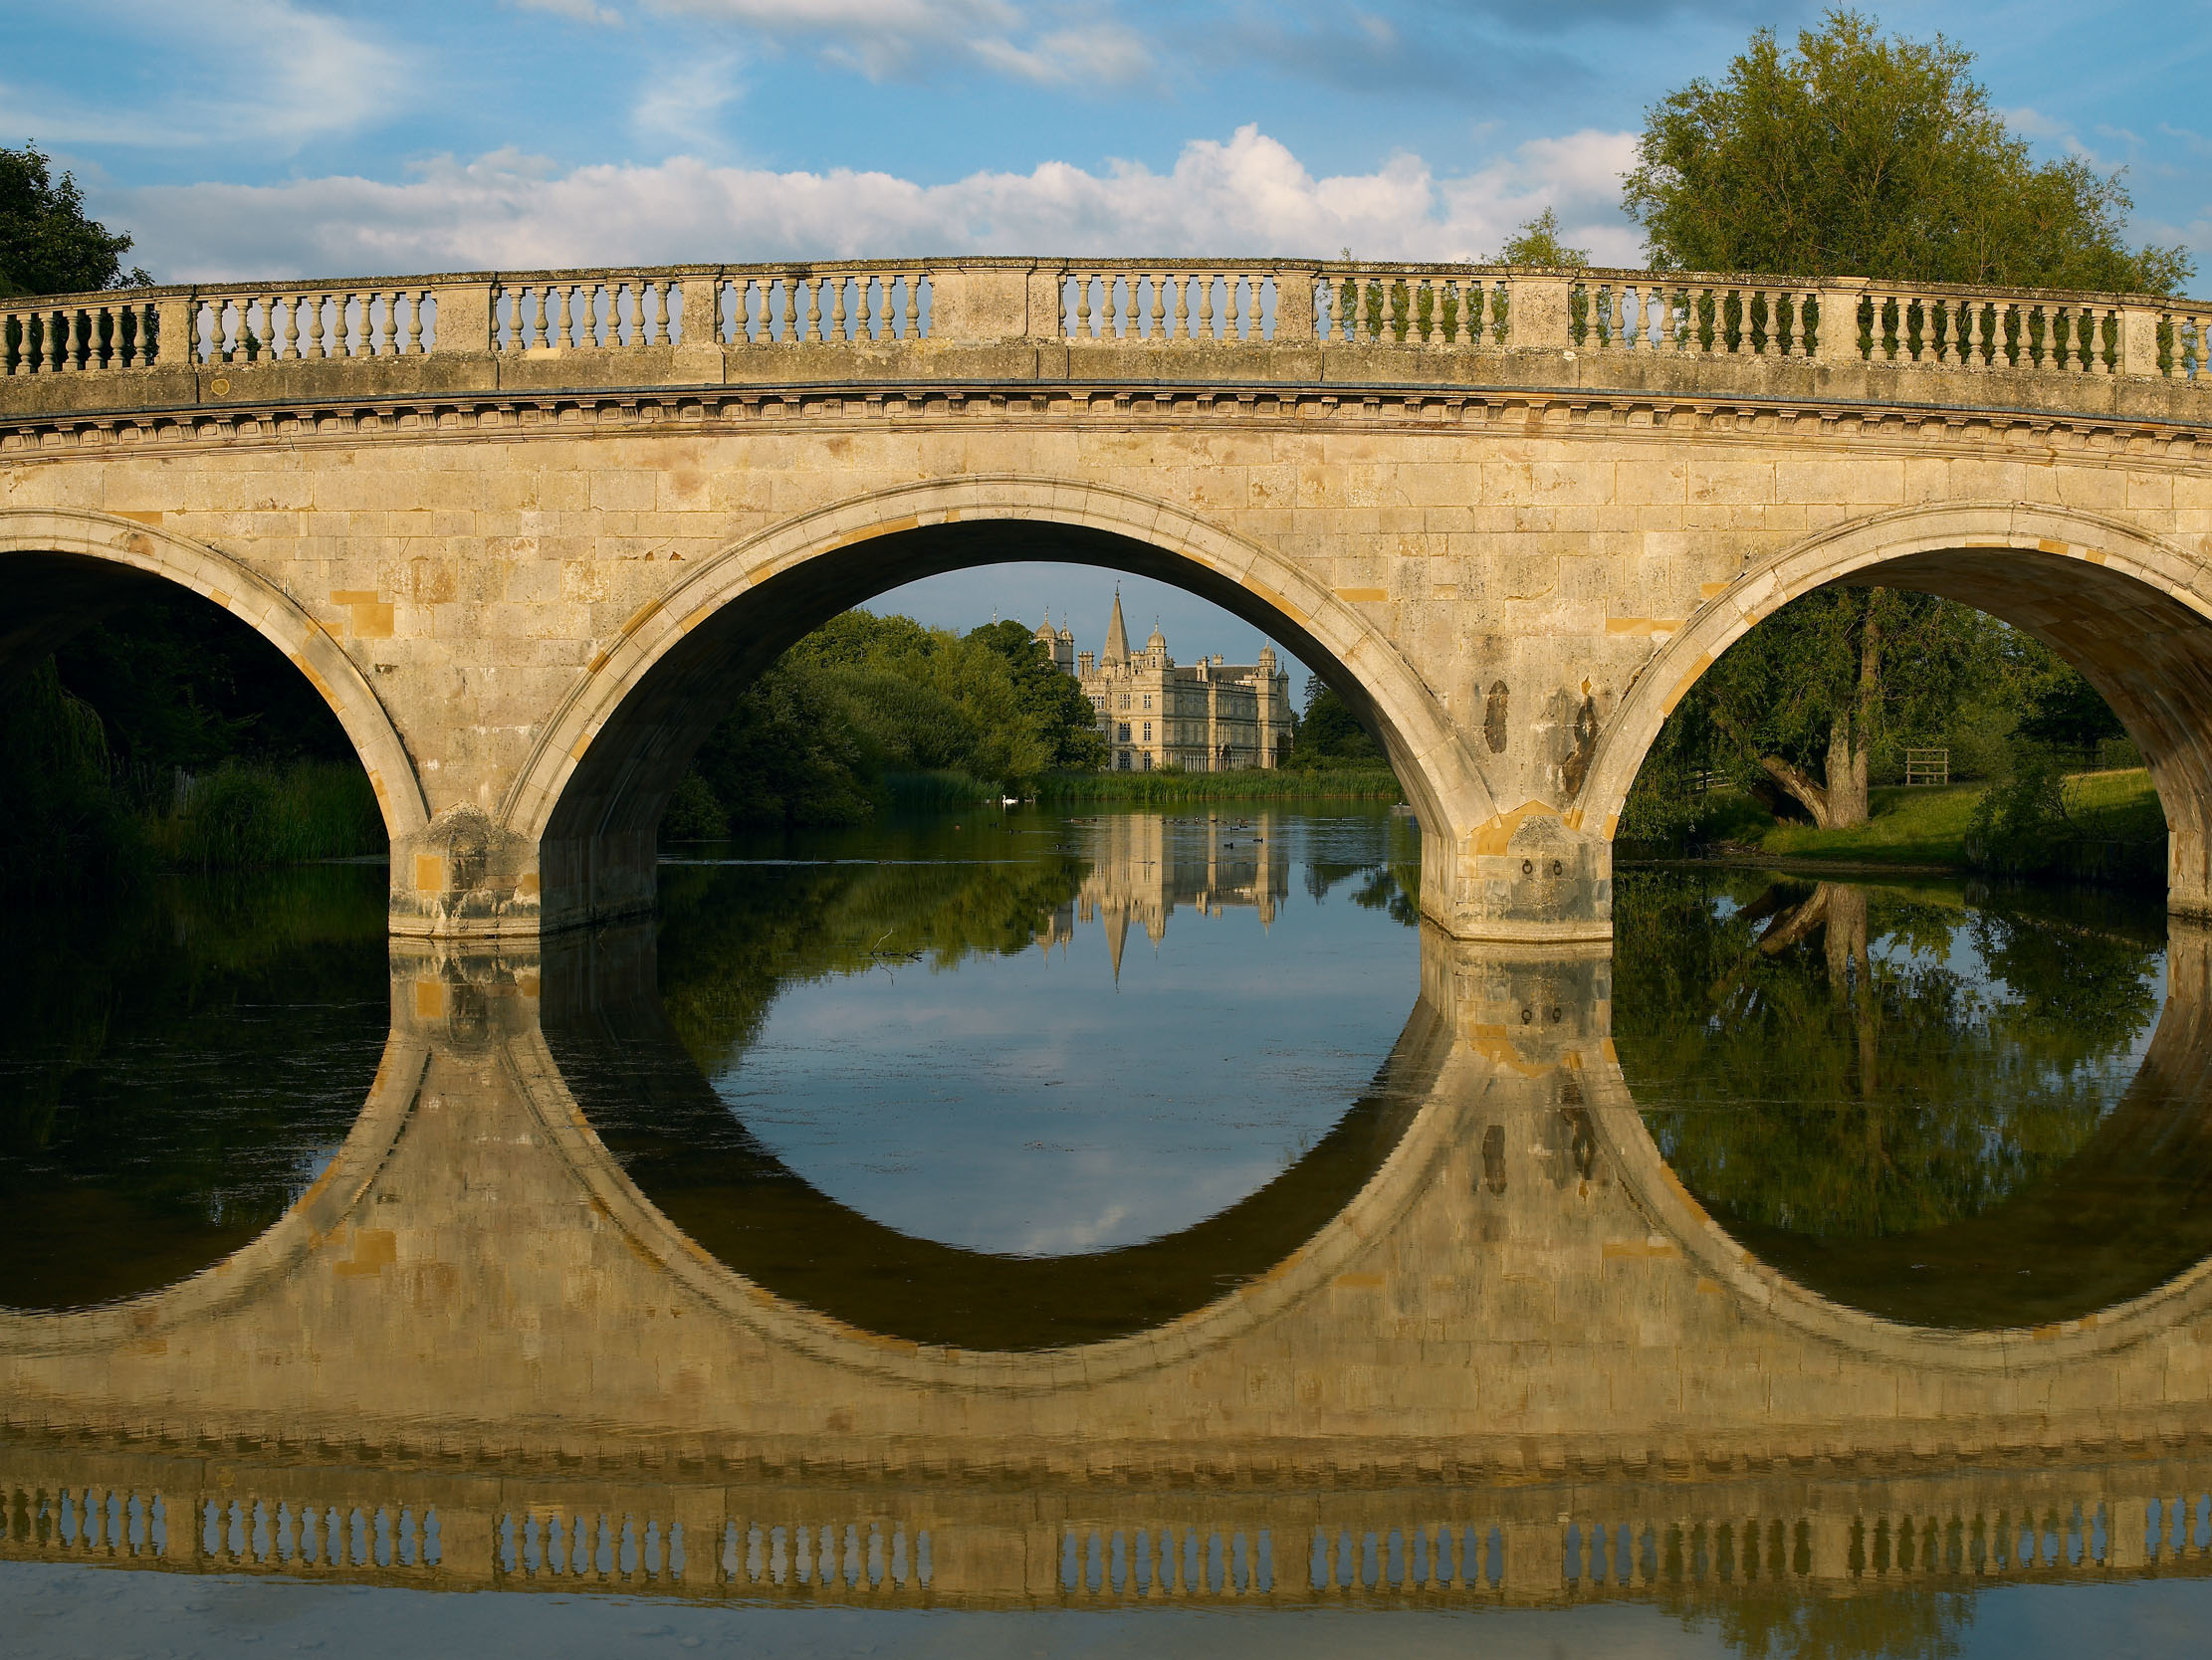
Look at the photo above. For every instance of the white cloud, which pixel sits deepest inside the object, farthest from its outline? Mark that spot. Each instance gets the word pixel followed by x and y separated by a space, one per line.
pixel 886 39
pixel 266 72
pixel 680 106
pixel 577 11
pixel 1247 196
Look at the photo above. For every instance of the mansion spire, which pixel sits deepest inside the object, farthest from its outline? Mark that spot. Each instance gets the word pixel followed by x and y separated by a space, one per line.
pixel 1117 636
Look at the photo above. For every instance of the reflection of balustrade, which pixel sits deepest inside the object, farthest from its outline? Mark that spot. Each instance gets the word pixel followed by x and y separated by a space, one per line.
pixel 1474 311
pixel 905 1543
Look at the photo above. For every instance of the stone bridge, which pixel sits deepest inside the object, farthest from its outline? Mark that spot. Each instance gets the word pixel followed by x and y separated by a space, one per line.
pixel 1514 1362
pixel 531 532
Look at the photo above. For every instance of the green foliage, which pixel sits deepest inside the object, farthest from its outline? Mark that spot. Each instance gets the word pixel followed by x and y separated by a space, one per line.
pixel 1860 154
pixel 1785 688
pixel 1328 734
pixel 172 735
pixel 244 814
pixel 2037 821
pixel 1537 243
pixel 62 822
pixel 1065 720
pixel 47 244
pixel 868 709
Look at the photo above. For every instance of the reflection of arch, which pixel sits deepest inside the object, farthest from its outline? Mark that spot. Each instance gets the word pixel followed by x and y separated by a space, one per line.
pixel 592 791
pixel 68 568
pixel 703 1171
pixel 329 1204
pixel 2122 607
pixel 1395 1176
pixel 2133 1281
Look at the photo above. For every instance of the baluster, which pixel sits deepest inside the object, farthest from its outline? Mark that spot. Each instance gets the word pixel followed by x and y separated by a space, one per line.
pixel 837 307
pixel 411 344
pixel 538 333
pixel 813 311
pixel 663 302
pixel 313 344
pixel 134 350
pixel 1159 321
pixel 910 326
pixel 285 324
pixel 80 331
pixel 564 315
pixel 1182 306
pixel 871 315
pixel 391 334
pixel 636 324
pixel 1205 305
pixel 2099 363
pixel 1231 328
pixel 789 284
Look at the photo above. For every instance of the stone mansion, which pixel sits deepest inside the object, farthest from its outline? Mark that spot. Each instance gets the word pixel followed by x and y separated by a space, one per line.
pixel 1204 716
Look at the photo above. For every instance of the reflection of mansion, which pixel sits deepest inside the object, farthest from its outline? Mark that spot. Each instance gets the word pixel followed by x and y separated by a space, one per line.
pixel 1143 866
pixel 1204 716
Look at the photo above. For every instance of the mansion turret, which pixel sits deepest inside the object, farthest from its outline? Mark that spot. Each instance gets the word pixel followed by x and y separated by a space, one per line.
pixel 1204 716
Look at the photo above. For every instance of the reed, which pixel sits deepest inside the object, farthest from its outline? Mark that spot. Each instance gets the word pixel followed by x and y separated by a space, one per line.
pixel 244 815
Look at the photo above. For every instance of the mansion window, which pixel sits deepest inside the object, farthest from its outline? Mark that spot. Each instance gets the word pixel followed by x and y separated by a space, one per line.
pixel 1121 758
pixel 1147 731
pixel 1121 733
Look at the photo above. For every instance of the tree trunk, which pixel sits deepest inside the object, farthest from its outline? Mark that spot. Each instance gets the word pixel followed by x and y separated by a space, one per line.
pixel 1799 783
pixel 1851 737
pixel 1846 776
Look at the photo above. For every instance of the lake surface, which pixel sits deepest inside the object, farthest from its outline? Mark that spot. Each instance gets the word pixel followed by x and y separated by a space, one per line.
pixel 1107 1233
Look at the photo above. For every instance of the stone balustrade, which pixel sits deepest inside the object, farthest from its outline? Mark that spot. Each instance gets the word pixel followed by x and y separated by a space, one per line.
pixel 1472 310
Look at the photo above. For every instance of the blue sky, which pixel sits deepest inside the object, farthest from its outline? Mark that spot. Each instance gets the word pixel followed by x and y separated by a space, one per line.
pixel 281 138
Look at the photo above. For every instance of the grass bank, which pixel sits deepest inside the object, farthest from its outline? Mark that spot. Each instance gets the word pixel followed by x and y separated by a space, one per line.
pixel 1254 784
pixel 2115 815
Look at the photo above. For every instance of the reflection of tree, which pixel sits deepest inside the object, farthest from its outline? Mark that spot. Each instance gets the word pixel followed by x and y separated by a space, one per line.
pixel 1776 1624
pixel 734 936
pixel 1818 1058
pixel 167 1074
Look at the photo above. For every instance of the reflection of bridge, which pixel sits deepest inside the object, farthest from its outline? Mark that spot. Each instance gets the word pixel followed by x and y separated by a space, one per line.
pixel 531 532
pixel 1518 1365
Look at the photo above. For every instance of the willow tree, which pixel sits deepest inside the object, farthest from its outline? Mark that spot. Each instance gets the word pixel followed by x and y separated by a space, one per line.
pixel 1856 153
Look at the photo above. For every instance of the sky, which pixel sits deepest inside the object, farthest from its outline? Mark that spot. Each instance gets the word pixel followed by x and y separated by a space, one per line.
pixel 244 139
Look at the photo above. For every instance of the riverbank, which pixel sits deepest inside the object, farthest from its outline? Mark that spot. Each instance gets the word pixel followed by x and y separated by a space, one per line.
pixel 1251 784
pixel 2114 817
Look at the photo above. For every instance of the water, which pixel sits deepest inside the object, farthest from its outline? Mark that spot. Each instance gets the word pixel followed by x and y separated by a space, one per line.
pixel 1107 1233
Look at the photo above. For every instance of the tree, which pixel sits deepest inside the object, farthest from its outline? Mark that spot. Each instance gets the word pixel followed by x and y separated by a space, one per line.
pixel 1807 694
pixel 46 243
pixel 1063 714
pixel 1537 243
pixel 1329 735
pixel 1857 154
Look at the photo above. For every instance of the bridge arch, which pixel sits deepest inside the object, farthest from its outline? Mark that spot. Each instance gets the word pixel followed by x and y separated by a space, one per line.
pixel 591 793
pixel 68 568
pixel 2132 613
